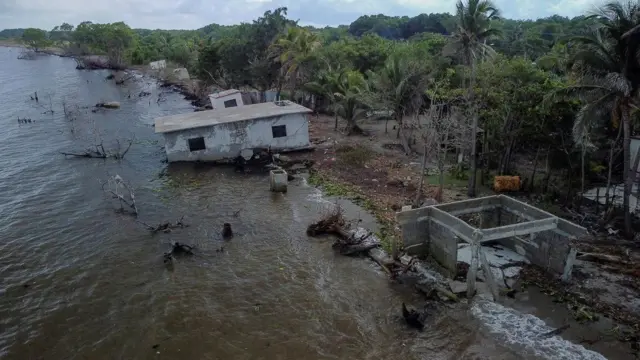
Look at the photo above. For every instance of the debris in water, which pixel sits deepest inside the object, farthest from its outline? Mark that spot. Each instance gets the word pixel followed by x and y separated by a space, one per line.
pixel 181 249
pixel 413 317
pixel 165 227
pixel 328 223
pixel 227 233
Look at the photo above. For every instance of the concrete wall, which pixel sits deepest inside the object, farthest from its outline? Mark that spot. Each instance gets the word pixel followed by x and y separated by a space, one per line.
pixel 218 103
pixel 635 144
pixel 225 141
pixel 158 65
pixel 433 232
pixel 544 239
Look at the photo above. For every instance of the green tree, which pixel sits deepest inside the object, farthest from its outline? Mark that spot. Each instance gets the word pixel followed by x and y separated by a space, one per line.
pixel 400 87
pixel 295 51
pixel 608 67
pixel 351 89
pixel 325 85
pixel 35 39
pixel 469 41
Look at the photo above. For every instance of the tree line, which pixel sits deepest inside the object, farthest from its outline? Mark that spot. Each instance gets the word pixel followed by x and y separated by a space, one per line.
pixel 558 95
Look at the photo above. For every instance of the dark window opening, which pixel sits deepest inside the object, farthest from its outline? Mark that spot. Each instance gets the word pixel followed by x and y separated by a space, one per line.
pixel 279 131
pixel 230 103
pixel 196 144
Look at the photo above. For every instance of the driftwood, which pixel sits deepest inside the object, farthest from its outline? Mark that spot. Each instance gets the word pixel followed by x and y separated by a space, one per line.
pixel 381 257
pixel 165 227
pixel 328 224
pixel 346 242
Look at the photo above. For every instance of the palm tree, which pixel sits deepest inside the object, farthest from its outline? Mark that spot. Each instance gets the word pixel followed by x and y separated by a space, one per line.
pixel 399 87
pixel 469 41
pixel 350 91
pixel 295 51
pixel 608 65
pixel 325 85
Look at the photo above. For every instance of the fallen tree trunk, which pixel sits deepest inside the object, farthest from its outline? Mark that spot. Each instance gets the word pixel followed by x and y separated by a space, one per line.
pixel 351 250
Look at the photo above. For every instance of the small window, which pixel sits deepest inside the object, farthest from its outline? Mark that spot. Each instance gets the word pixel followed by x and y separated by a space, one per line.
pixel 279 131
pixel 196 144
pixel 230 103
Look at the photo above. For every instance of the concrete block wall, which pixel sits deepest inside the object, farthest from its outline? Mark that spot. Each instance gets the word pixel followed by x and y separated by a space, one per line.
pixel 542 238
pixel 443 247
pixel 415 229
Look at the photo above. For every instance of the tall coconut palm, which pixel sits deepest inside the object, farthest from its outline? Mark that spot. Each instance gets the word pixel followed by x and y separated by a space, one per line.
pixel 608 66
pixel 473 29
pixel 295 51
pixel 399 87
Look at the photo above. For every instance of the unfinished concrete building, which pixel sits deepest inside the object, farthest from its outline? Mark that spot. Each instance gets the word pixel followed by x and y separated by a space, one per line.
pixel 540 237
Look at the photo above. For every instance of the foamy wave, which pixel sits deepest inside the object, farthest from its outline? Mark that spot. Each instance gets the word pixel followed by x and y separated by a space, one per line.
pixel 524 333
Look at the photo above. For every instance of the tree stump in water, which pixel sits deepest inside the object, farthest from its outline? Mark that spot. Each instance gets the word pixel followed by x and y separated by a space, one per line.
pixel 227 233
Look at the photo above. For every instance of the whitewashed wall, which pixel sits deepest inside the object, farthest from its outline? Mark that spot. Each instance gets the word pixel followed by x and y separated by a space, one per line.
pixel 218 103
pixel 225 141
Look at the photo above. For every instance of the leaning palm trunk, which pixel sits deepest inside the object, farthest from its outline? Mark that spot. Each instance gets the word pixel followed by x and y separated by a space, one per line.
pixel 628 174
pixel 611 152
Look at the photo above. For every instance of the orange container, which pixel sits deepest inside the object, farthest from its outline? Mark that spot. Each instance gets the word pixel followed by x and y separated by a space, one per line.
pixel 506 183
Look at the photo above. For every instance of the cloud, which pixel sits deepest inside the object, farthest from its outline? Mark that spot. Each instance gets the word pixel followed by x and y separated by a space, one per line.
pixel 192 14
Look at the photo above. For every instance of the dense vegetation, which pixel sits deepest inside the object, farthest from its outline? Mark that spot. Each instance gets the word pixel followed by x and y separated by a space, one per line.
pixel 561 93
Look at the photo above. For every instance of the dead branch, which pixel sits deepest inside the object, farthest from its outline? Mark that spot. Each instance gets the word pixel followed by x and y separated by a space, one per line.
pixel 122 81
pixel 165 227
pixel 328 223
pixel 346 242
pixel 101 153
pixel 120 190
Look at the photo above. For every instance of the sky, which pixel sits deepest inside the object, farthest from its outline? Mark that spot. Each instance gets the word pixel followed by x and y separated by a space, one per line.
pixel 193 14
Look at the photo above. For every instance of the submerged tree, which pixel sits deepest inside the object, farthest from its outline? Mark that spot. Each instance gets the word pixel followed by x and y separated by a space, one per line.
pixel 35 39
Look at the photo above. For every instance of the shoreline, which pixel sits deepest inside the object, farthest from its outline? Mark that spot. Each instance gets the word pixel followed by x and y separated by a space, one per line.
pixel 372 183
pixel 429 282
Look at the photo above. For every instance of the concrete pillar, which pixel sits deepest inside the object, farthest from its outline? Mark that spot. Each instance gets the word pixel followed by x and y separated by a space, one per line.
pixel 473 267
pixel 278 180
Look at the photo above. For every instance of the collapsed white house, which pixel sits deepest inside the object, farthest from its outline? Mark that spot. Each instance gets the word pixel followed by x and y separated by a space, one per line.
pixel 227 133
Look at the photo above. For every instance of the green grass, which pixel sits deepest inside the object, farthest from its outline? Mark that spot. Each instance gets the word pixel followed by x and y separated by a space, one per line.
pixel 449 181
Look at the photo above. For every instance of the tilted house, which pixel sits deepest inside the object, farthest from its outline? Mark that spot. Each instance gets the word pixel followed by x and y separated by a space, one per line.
pixel 227 133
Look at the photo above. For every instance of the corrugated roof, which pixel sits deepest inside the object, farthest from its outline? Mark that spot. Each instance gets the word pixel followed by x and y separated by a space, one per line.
pixel 227 115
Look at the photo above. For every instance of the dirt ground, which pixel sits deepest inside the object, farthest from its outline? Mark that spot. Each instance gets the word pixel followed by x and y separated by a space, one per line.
pixel 372 169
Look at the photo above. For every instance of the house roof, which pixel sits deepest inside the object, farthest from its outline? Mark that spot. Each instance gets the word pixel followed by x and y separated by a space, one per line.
pixel 224 93
pixel 199 119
